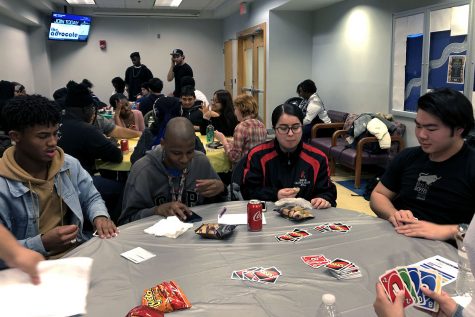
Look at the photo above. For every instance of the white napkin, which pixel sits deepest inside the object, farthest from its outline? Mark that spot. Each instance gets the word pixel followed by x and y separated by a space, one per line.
pixel 170 227
pixel 62 291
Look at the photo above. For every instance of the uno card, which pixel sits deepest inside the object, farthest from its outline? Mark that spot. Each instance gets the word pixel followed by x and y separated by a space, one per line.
pixel 416 282
pixel 322 228
pixel 432 281
pixel 298 233
pixel 250 275
pixel 339 227
pixel 338 265
pixel 268 275
pixel 405 277
pixel 392 282
pixel 315 261
pixel 287 238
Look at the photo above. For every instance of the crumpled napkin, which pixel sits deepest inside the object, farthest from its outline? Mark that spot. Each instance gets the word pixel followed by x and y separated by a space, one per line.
pixel 295 202
pixel 171 227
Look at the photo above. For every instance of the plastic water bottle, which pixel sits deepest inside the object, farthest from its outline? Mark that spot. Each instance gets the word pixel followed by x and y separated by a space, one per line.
pixel 327 308
pixel 465 283
pixel 209 134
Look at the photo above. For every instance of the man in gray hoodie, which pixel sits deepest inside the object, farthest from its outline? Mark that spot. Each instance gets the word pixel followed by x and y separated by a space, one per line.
pixel 171 178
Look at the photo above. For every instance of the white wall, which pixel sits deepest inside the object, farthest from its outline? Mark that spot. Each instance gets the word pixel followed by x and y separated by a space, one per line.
pixel 352 55
pixel 201 41
pixel 290 55
pixel 15 53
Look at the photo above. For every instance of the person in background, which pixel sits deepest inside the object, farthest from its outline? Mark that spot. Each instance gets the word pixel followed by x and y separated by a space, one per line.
pixel 45 194
pixel 144 93
pixel 124 116
pixel 146 104
pixel 119 86
pixel 136 75
pixel 190 81
pixel 221 115
pixel 172 178
pixel 164 110
pixel 248 133
pixel 107 126
pixel 20 90
pixel 82 140
pixel 286 167
pixel 313 109
pixel 432 195
pixel 16 256
pixel 99 104
pixel 191 108
pixel 178 70
pixel 7 92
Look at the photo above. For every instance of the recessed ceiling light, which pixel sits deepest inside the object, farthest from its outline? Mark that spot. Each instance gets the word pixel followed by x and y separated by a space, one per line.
pixel 167 3
pixel 81 2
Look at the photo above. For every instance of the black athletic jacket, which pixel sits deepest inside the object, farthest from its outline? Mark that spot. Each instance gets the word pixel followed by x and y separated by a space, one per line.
pixel 268 169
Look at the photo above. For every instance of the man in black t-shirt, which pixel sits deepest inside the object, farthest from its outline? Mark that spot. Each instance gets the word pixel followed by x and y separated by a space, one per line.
pixel 429 190
pixel 178 70
pixel 136 75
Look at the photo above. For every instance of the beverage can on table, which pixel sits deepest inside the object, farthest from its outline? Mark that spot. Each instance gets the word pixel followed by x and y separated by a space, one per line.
pixel 124 145
pixel 254 215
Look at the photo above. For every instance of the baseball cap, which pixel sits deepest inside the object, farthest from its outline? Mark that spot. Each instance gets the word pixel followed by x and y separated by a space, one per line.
pixel 177 51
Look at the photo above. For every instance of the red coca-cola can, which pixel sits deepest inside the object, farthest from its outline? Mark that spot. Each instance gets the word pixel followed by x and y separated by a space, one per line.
pixel 254 215
pixel 124 145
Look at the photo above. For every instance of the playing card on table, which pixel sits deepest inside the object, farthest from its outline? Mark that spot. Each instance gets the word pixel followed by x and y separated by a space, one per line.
pixel 268 275
pixel 392 282
pixel 339 227
pixel 287 238
pixel 239 274
pixel 315 261
pixel 323 227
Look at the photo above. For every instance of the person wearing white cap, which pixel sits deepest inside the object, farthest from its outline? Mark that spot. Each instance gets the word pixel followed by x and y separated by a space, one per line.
pixel 428 190
pixel 178 70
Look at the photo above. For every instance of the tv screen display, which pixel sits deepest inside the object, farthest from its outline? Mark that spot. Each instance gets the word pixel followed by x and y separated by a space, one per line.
pixel 69 27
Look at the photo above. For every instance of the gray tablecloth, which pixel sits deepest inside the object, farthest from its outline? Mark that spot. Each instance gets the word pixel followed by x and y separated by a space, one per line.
pixel 203 267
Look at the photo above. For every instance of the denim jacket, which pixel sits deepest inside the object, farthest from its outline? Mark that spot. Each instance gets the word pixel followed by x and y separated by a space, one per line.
pixel 19 211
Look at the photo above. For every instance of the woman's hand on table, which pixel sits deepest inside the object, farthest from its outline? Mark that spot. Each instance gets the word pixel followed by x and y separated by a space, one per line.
pixel 174 208
pixel 105 227
pixel 320 203
pixel 220 137
pixel 209 187
pixel 286 193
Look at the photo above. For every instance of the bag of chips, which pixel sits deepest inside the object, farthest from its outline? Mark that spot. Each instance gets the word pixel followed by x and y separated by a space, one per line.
pixel 295 212
pixel 144 311
pixel 165 297
pixel 215 230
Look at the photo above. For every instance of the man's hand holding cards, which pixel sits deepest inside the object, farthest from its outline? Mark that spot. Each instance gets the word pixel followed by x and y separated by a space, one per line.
pixel 410 280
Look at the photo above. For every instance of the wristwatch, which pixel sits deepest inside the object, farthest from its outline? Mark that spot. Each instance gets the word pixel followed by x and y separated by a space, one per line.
pixel 462 228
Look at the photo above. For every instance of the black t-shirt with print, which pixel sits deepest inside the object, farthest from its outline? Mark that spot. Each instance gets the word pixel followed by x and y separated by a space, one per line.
pixel 438 192
pixel 180 71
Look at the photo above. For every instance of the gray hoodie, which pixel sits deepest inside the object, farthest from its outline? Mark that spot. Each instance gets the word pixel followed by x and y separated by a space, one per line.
pixel 148 185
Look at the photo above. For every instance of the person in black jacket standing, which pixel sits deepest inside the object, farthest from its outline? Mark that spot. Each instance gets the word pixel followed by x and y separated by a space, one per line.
pixel 136 75
pixel 286 167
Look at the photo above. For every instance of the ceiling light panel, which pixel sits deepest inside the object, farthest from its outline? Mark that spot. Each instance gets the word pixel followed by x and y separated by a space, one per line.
pixel 167 3
pixel 81 2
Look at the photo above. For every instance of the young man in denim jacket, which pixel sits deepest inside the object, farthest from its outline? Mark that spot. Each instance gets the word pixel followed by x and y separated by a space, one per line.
pixel 45 194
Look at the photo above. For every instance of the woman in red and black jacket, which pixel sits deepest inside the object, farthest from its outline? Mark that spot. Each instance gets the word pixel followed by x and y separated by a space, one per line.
pixel 286 167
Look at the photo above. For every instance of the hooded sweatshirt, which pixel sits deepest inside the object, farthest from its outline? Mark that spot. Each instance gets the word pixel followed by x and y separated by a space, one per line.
pixel 148 185
pixel 52 211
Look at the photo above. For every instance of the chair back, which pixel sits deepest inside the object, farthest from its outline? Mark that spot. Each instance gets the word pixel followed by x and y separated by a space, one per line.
pixel 236 180
pixel 337 116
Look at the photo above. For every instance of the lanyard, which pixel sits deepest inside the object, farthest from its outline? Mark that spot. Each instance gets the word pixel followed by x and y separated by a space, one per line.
pixel 177 193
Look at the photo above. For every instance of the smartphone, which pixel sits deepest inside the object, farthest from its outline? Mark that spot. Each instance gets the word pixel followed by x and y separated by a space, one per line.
pixel 193 218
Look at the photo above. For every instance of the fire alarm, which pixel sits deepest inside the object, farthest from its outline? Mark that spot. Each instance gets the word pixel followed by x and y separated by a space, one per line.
pixel 102 44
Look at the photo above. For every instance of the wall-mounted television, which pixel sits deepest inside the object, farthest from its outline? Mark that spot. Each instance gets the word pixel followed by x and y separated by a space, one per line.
pixel 69 27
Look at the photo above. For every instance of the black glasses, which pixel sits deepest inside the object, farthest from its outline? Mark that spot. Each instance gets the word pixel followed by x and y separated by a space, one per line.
pixel 284 129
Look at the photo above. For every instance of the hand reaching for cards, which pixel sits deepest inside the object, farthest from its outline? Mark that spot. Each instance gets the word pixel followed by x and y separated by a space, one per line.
pixel 320 203
pixel 383 307
pixel 424 229
pixel 174 208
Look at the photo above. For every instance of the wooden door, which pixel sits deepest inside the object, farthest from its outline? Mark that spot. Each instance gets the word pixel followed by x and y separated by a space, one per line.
pixel 228 66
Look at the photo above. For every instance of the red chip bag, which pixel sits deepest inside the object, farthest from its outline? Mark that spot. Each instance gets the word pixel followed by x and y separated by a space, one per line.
pixel 165 297
pixel 144 311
